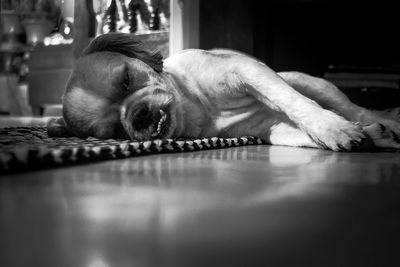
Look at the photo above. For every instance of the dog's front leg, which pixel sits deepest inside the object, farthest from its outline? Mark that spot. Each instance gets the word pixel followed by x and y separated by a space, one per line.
pixel 326 128
pixel 330 97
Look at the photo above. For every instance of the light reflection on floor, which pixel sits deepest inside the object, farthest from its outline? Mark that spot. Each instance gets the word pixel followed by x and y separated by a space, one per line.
pixel 227 207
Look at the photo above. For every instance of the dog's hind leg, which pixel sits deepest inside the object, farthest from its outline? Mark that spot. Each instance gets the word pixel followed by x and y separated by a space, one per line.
pixel 330 97
pixel 324 93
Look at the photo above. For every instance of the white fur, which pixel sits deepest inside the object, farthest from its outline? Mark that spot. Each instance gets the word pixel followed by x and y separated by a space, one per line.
pixel 222 93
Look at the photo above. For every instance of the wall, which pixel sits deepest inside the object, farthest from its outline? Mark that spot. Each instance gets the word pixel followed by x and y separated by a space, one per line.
pixel 304 35
pixel 308 36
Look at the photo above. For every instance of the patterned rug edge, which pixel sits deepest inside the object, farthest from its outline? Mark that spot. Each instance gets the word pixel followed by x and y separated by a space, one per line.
pixel 26 158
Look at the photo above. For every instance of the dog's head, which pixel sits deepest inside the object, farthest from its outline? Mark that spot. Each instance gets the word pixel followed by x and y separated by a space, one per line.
pixel 117 90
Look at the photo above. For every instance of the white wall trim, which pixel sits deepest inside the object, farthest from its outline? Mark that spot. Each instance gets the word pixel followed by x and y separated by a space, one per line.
pixel 184 25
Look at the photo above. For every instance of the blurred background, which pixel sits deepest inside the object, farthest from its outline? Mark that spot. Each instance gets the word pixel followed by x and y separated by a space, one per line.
pixel 40 39
pixel 351 43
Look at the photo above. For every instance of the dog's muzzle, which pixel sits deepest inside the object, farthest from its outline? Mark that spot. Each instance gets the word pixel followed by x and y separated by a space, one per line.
pixel 144 119
pixel 148 119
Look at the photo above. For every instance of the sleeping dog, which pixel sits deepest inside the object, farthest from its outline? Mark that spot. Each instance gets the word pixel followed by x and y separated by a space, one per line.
pixel 120 89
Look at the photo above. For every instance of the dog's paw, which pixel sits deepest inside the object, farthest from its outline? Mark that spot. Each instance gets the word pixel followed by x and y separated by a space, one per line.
pixel 389 118
pixel 390 128
pixel 56 127
pixel 334 132
pixel 379 136
pixel 391 114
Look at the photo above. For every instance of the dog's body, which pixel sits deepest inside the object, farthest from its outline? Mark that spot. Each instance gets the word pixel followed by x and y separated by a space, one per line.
pixel 115 93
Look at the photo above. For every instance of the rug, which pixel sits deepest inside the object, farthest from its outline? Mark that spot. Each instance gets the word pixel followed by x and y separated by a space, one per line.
pixel 30 148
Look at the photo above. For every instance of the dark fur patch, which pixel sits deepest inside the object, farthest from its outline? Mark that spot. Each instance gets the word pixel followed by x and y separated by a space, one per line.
pixel 127 45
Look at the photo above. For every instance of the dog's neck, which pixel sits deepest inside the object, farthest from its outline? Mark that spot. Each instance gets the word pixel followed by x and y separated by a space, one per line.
pixel 192 112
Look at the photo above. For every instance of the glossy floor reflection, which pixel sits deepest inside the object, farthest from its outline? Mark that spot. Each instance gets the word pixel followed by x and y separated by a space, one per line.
pixel 246 206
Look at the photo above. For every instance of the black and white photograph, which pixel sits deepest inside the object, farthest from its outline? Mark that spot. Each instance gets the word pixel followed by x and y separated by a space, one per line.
pixel 199 133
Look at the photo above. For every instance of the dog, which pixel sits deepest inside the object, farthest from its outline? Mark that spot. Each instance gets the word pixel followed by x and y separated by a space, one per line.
pixel 120 89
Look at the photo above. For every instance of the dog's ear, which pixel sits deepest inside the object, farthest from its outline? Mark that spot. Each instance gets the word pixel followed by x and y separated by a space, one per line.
pixel 56 127
pixel 127 45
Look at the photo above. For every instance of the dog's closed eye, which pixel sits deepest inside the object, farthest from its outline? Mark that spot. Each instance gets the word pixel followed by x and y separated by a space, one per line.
pixel 125 81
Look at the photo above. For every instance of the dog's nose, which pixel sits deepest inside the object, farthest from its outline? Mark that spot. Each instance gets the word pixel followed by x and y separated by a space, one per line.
pixel 142 118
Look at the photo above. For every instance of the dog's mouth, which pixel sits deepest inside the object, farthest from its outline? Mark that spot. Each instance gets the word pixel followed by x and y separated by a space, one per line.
pixel 160 127
pixel 144 123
